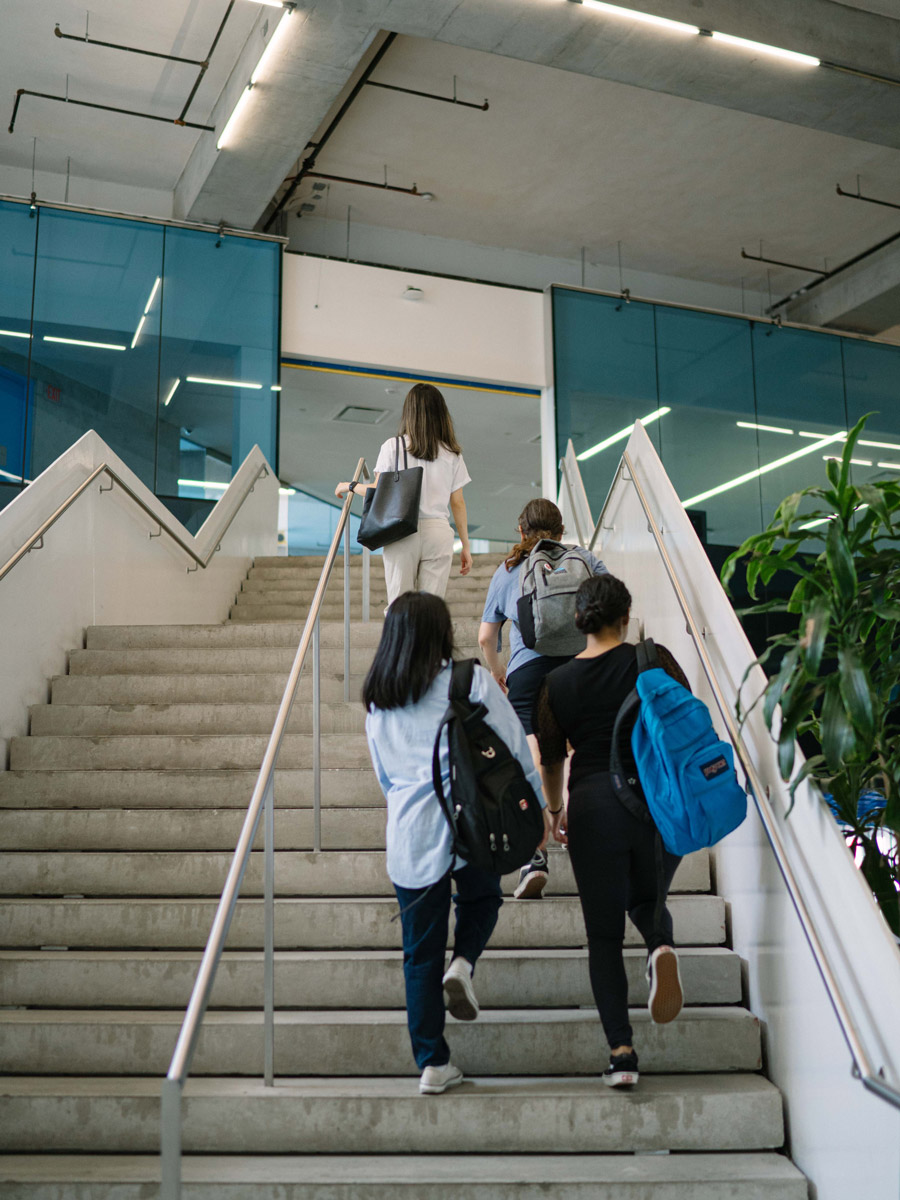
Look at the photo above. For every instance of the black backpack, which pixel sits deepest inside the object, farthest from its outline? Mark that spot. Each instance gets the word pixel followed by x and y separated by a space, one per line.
pixel 494 815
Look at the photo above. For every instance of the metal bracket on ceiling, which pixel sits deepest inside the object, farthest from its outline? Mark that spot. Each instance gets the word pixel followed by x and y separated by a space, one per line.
pixel 857 195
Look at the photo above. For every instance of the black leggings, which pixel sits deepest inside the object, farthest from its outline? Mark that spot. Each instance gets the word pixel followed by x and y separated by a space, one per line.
pixel 614 860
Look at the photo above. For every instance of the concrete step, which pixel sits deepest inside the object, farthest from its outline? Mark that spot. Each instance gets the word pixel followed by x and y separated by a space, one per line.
pixel 209 637
pixel 737 1176
pixel 112 720
pixel 173 660
pixel 469 610
pixel 342 788
pixel 202 873
pixel 457 586
pixel 484 564
pixel 201 751
pixel 495 1116
pixel 311 924
pixel 325 979
pixel 181 830
pixel 194 689
pixel 500 1042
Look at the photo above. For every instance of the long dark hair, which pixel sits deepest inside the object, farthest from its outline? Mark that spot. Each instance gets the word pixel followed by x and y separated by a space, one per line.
pixel 416 640
pixel 538 519
pixel 427 423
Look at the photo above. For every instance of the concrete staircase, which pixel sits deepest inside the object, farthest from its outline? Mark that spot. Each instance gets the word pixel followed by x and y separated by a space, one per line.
pixel 117 821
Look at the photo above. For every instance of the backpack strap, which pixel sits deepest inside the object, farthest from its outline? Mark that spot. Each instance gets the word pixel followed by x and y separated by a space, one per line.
pixel 624 788
pixel 647 655
pixel 459 707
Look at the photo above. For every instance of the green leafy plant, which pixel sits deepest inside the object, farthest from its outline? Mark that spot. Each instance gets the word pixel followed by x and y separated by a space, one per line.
pixel 839 674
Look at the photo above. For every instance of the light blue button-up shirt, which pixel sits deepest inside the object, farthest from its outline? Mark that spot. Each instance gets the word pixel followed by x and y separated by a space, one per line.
pixel 401 741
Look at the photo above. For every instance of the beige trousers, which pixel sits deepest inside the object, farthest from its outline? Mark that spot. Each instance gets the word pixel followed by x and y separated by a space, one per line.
pixel 420 562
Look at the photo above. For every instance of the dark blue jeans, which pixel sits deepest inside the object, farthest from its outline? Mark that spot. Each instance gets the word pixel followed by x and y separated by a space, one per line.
pixel 425 926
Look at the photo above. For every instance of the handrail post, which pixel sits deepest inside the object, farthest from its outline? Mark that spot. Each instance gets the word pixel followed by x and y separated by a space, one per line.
pixel 269 935
pixel 347 613
pixel 170 1140
pixel 366 578
pixel 317 739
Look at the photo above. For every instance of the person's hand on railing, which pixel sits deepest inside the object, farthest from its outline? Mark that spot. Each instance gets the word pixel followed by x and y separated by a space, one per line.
pixel 343 488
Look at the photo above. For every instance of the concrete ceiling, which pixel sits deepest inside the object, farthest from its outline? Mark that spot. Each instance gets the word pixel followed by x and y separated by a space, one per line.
pixel 502 482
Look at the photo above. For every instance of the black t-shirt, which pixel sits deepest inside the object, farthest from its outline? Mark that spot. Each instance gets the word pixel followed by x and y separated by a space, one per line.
pixel 579 702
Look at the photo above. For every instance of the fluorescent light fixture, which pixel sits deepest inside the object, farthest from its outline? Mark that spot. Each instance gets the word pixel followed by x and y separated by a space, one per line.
pixel 239 383
pixel 266 57
pixel 765 428
pixel 203 483
pixel 792 55
pixel 623 433
pixel 79 342
pixel 270 3
pixel 825 520
pixel 137 332
pixel 152 294
pixel 874 445
pixel 857 462
pixel 233 119
pixel 172 391
pixel 16 333
pixel 805 433
pixel 615 10
pixel 282 491
pixel 764 470
pixel 276 387
pixel 890 466
pixel 15 478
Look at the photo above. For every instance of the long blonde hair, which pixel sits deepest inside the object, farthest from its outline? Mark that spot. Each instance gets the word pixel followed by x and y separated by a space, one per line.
pixel 539 519
pixel 427 423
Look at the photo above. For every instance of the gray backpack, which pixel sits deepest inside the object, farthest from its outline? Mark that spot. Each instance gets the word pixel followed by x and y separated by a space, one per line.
pixel 546 606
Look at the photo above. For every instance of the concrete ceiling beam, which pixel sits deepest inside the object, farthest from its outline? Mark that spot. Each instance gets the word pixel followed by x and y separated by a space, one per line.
pixel 327 40
pixel 864 298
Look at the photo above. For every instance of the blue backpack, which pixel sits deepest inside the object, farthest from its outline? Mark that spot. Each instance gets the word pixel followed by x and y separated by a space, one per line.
pixel 686 773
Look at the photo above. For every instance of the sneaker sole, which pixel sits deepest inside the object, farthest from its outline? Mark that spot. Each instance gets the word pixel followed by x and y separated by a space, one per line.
pixel 668 998
pixel 532 886
pixel 621 1079
pixel 437 1090
pixel 460 1003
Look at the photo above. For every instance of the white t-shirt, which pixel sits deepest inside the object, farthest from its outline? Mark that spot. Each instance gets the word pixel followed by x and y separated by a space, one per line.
pixel 446 474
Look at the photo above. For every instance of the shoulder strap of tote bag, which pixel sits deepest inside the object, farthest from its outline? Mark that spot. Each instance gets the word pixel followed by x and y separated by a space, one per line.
pixel 397 457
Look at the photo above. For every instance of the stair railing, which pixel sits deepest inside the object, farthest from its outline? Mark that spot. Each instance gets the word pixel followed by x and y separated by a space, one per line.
pixel 863 1064
pixel 262 805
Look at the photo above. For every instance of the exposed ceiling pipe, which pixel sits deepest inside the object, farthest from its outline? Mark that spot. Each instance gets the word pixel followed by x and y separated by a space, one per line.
pixel 128 112
pixel 851 262
pixel 383 187
pixel 777 262
pixel 76 37
pixel 857 195
pixel 316 147
pixel 393 87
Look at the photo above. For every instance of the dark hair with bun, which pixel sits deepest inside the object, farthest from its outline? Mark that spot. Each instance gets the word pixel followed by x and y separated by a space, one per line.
pixel 601 601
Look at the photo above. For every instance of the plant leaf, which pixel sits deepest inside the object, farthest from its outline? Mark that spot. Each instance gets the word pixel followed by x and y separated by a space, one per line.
pixel 777 685
pixel 840 561
pixel 833 471
pixel 815 630
pixel 838 739
pixel 855 691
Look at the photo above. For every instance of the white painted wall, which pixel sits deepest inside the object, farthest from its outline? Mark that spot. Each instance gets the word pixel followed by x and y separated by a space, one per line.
pixel 846 1140
pixel 99 566
pixel 343 312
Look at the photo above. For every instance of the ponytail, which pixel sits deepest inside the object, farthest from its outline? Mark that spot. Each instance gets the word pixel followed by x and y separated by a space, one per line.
pixel 539 519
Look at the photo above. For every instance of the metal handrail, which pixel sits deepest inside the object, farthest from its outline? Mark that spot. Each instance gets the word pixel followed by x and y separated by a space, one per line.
pixel 106 469
pixel 863 1067
pixel 261 801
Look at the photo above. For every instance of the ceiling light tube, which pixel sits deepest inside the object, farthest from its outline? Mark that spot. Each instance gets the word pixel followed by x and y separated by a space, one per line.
pixel 80 342
pixel 15 478
pixel 276 387
pixel 623 433
pixel 238 383
pixel 286 491
pixel 890 466
pixel 792 55
pixel 265 58
pixel 874 445
pixel 172 391
pixel 202 483
pixel 825 520
pixel 233 119
pixel 765 428
pixel 764 470
pixel 16 333
pixel 856 462
pixel 258 70
pixel 137 332
pixel 270 3
pixel 614 10
pixel 152 294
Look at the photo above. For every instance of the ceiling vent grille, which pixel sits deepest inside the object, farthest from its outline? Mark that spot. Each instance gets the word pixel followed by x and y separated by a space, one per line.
pixel 359 415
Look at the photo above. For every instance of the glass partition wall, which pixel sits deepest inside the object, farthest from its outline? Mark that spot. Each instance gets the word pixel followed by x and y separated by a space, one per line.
pixel 743 412
pixel 162 338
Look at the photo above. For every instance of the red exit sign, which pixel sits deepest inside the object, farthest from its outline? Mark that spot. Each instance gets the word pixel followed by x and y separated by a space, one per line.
pixel 53 393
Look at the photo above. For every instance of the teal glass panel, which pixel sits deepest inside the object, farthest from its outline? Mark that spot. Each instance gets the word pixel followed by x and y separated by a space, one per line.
pixel 18 232
pixel 219 356
pixel 95 351
pixel 706 380
pixel 605 378
pixel 800 404
pixel 872 374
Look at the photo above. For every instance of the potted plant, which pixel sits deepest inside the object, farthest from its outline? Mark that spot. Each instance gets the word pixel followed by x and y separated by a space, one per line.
pixel 838 678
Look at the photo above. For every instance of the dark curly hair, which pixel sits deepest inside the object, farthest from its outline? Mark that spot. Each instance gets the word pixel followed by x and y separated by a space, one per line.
pixel 601 601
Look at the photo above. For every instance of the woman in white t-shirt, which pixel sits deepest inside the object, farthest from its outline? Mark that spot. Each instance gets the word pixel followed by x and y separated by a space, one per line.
pixel 422 561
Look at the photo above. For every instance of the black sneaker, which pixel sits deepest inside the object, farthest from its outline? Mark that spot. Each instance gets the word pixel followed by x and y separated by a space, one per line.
pixel 533 878
pixel 622 1070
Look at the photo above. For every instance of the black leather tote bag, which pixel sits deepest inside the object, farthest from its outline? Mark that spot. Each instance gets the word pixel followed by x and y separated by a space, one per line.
pixel 391 508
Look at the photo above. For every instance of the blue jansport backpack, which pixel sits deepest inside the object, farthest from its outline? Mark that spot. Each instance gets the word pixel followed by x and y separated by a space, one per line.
pixel 685 771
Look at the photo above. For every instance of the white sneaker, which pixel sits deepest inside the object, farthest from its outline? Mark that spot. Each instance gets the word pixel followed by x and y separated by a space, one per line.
pixel 461 1000
pixel 666 995
pixel 437 1079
